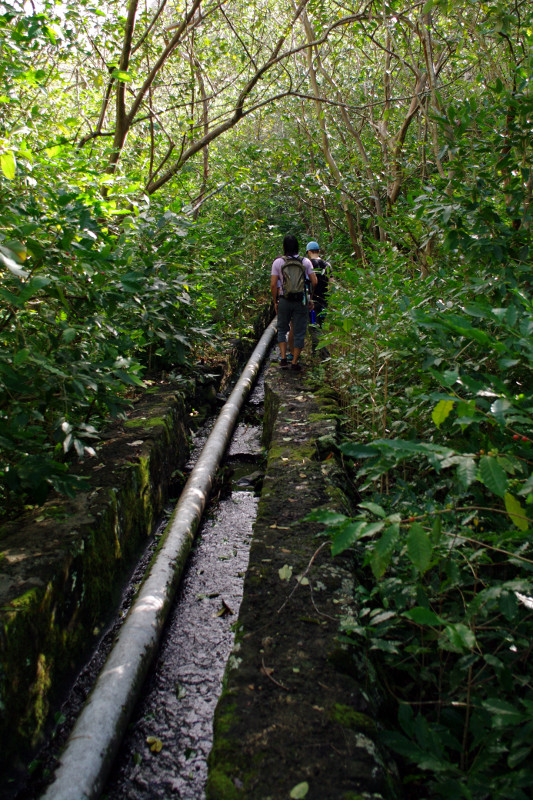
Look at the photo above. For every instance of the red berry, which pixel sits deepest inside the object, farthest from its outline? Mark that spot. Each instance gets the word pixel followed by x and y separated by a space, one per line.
pixel 525 439
pixel 411 519
pixel 516 437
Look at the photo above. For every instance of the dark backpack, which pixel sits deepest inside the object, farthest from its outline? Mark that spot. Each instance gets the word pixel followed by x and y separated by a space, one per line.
pixel 322 271
pixel 293 272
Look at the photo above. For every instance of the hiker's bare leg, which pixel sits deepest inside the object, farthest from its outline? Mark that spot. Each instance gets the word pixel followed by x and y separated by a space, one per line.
pixel 291 339
pixel 296 354
pixel 283 349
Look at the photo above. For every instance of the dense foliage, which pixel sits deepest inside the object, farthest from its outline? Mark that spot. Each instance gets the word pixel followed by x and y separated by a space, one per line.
pixel 152 158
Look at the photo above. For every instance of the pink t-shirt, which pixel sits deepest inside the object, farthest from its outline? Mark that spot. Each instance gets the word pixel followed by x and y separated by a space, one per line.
pixel 278 263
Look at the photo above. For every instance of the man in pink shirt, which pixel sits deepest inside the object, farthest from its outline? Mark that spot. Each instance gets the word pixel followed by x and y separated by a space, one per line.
pixel 293 306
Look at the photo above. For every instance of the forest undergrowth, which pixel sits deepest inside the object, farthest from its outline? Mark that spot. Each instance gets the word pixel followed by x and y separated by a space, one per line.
pixel 435 380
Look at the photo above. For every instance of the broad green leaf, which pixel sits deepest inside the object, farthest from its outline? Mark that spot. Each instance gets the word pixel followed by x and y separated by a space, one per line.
pixel 374 508
pixel 121 75
pixel 359 450
pixel 423 616
pixel 285 572
pixel 460 637
pixel 419 547
pixel 516 512
pixel 382 553
pixel 436 530
pixel 499 409
pixel 441 411
pixel 508 604
pixel 347 536
pixel 21 357
pixel 8 165
pixel 527 488
pixel 69 334
pixel 492 475
pixel 503 713
pixel 466 471
pixel 17 250
pixel 326 517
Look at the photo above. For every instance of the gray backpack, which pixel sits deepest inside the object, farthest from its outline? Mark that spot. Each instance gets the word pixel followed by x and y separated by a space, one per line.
pixel 293 272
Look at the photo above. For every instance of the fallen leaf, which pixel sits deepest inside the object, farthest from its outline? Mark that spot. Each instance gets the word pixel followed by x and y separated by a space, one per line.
pixel 299 791
pixel 224 610
pixel 156 745
pixel 285 573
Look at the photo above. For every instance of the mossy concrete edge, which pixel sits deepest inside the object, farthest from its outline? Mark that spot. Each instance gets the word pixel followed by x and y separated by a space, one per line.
pixel 63 567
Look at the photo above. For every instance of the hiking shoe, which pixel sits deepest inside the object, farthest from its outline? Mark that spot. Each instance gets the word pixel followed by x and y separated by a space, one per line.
pixel 283 363
pixel 296 367
pixel 289 356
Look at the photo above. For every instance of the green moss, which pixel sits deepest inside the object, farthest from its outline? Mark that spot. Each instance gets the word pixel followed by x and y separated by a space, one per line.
pixel 354 720
pixel 26 600
pixel 318 417
pixel 221 787
pixel 146 422
pixel 39 692
pixel 226 720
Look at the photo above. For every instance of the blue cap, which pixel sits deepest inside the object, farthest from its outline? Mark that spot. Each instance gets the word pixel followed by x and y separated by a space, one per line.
pixel 312 246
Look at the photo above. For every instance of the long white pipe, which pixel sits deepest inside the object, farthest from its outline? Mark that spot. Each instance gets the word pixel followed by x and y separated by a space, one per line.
pixel 94 741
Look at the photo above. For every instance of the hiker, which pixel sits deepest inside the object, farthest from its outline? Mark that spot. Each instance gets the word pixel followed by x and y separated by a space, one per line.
pixel 288 276
pixel 324 274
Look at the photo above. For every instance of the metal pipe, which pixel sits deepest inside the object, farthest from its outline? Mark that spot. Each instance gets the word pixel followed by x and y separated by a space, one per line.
pixel 96 736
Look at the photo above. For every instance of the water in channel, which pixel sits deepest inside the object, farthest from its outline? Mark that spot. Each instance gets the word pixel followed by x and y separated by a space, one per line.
pixel 164 754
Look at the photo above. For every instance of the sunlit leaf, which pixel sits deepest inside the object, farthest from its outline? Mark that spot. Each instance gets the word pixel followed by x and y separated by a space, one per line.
pixel 8 165
pixel 441 411
pixel 517 513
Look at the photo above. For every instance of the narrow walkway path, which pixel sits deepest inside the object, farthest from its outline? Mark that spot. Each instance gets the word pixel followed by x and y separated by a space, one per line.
pixel 298 715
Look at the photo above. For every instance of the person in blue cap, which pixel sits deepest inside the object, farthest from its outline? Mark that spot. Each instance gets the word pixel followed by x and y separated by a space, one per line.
pixel 324 274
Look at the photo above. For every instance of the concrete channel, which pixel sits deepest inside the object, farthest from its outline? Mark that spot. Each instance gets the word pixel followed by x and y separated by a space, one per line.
pixel 164 753
pixel 94 741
